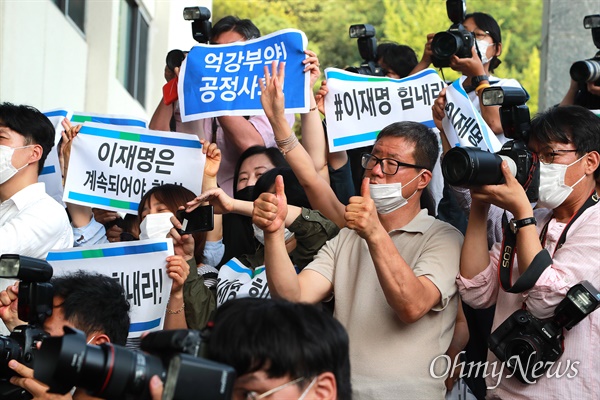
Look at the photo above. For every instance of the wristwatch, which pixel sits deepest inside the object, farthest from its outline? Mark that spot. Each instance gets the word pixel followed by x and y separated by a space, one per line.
pixel 476 80
pixel 516 224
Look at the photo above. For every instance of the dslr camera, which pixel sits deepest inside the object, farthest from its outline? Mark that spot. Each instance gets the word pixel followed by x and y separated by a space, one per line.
pixel 529 345
pixel 115 372
pixel 35 305
pixel 367 48
pixel 589 70
pixel 457 40
pixel 471 166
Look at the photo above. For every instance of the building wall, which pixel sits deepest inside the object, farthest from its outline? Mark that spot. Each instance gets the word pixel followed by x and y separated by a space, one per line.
pixel 564 41
pixel 46 61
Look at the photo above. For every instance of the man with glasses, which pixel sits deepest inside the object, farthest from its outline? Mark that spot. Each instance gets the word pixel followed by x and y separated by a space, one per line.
pixel 566 224
pixel 279 350
pixel 391 269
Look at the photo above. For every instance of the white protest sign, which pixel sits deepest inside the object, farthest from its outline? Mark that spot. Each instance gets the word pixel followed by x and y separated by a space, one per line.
pixel 463 124
pixel 51 174
pixel 79 117
pixel 357 106
pixel 139 267
pixel 112 167
pixel 235 280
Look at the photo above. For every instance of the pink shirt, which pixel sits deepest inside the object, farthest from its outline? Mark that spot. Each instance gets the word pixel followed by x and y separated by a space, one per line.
pixel 578 259
pixel 230 154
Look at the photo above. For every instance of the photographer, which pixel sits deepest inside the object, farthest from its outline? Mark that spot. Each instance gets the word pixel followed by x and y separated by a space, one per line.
pixel 567 141
pixel 90 302
pixel 279 350
pixel 478 68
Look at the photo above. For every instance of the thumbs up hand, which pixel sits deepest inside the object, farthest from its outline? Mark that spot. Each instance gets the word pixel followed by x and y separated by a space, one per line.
pixel 361 214
pixel 270 209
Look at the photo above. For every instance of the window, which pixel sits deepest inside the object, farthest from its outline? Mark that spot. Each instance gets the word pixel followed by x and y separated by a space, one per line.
pixel 74 9
pixel 133 49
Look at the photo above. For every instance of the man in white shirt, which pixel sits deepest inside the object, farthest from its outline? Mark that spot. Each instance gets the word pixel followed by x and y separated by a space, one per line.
pixel 31 222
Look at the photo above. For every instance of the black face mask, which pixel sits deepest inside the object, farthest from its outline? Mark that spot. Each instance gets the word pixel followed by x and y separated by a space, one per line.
pixel 244 194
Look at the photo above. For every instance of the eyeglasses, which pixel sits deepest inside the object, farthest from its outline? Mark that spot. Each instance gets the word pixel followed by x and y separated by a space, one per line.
pixel 256 396
pixel 480 35
pixel 389 166
pixel 547 154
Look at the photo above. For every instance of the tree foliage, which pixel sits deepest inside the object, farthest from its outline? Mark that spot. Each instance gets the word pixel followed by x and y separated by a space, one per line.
pixel 408 22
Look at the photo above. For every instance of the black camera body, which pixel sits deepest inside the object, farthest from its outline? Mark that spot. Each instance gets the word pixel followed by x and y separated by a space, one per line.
pixel 471 166
pixel 589 70
pixel 457 40
pixel 367 48
pixel 115 372
pixel 523 341
pixel 529 345
pixel 35 305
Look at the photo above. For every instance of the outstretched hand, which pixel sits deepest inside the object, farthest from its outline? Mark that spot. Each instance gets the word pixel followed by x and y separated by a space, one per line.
pixel 270 209
pixel 361 213
pixel 221 202
pixel 272 98
pixel 213 158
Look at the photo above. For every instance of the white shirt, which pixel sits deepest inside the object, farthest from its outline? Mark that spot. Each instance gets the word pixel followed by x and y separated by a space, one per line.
pixel 31 224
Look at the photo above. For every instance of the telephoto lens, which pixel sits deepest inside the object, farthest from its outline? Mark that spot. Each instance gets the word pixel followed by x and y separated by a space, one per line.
pixel 471 166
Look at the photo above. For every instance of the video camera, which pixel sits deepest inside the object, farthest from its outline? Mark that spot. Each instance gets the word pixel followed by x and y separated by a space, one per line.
pixel 471 166
pixel 367 48
pixel 115 372
pixel 589 70
pixel 457 40
pixel 529 345
pixel 35 305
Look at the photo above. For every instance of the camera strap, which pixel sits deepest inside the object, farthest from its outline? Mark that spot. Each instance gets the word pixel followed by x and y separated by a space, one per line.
pixel 540 262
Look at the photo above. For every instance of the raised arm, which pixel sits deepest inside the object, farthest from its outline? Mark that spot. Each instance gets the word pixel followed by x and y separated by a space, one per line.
pixel 270 212
pixel 318 191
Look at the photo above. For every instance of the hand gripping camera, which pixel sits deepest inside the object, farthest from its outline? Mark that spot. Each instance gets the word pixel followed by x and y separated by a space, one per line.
pixel 589 70
pixel 471 166
pixel 115 372
pixel 367 48
pixel 35 305
pixel 530 346
pixel 456 40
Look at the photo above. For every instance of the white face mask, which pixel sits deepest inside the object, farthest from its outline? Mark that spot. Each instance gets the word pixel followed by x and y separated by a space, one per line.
pixel 483 45
pixel 156 226
pixel 553 191
pixel 388 196
pixel 7 169
pixel 259 234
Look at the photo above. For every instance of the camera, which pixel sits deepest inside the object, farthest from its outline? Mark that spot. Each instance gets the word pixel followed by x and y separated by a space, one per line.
pixel 457 40
pixel 201 26
pixel 529 345
pixel 471 166
pixel 115 372
pixel 589 70
pixel 367 48
pixel 35 305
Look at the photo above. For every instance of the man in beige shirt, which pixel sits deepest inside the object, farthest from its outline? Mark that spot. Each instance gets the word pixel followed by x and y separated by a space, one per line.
pixel 392 269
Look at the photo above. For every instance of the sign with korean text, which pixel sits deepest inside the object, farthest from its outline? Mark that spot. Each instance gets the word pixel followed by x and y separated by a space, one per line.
pixel 139 267
pixel 218 80
pixel 463 124
pixel 358 106
pixel 112 167
pixel 235 280
pixel 51 174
